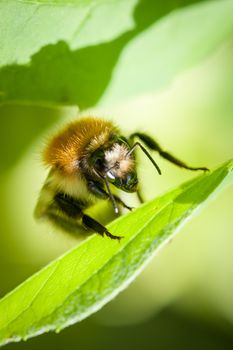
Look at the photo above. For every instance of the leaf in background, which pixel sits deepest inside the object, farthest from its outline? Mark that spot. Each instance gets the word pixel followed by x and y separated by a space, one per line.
pixel 177 42
pixel 22 125
pixel 82 281
pixel 27 26
pixel 61 72
pixel 38 42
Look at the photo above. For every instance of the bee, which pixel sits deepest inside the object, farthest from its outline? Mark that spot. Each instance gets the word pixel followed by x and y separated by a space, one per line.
pixel 88 158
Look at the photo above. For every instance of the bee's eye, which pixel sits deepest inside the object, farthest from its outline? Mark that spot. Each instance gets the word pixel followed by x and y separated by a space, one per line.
pixel 98 163
pixel 98 159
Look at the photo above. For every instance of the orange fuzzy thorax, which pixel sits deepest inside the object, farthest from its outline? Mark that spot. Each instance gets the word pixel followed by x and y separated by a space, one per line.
pixel 75 141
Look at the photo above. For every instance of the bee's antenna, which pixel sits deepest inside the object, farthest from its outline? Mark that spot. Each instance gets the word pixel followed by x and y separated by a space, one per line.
pixel 146 153
pixel 115 207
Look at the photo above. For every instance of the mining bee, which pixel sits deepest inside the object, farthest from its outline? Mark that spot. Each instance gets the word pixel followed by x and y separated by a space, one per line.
pixel 86 159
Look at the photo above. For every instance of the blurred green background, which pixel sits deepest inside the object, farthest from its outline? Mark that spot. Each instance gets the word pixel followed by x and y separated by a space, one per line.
pixel 184 298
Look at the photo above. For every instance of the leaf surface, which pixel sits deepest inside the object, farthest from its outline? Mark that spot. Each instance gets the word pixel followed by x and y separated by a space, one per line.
pixel 84 279
pixel 172 45
pixel 86 52
pixel 27 26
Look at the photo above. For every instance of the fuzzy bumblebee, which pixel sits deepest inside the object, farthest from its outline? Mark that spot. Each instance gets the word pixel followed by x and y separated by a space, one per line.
pixel 86 158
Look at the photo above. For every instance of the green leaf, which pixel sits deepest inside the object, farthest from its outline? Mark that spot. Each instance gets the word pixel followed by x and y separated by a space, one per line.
pixel 69 54
pixel 31 121
pixel 43 55
pixel 83 280
pixel 177 42
pixel 27 26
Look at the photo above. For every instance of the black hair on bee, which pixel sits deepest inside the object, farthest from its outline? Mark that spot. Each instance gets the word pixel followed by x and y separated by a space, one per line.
pixel 86 158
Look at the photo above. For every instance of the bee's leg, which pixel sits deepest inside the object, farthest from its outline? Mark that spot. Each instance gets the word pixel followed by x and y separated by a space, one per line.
pixel 139 195
pixel 73 209
pixel 120 201
pixel 69 205
pixel 154 146
pixel 97 189
pixel 97 227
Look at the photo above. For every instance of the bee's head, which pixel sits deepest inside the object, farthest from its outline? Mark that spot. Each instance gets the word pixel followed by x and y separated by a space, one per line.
pixel 117 165
pixel 128 183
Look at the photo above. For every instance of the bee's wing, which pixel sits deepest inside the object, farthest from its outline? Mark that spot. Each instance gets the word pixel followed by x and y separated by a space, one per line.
pixel 45 198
